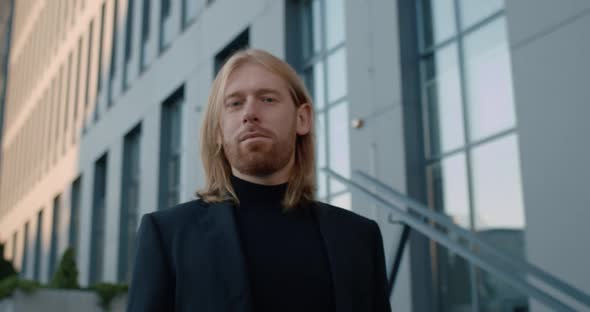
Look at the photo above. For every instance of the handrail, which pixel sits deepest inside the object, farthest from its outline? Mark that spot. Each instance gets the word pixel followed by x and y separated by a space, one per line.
pixel 488 264
pixel 481 244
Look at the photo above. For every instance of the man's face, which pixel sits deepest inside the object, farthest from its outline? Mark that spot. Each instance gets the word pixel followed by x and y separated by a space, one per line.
pixel 259 121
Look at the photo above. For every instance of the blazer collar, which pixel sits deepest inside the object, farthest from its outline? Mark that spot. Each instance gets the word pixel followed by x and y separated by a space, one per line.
pixel 220 225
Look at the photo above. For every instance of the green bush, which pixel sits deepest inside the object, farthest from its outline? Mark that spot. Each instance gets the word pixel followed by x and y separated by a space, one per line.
pixel 9 284
pixel 6 268
pixel 66 275
pixel 107 292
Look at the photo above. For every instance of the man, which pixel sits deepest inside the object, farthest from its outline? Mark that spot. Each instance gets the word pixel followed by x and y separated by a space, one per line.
pixel 256 240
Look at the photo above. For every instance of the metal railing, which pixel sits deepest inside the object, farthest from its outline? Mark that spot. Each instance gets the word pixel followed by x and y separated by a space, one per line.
pixel 488 258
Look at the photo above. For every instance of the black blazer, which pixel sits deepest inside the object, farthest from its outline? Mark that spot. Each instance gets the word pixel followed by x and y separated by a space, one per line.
pixel 189 258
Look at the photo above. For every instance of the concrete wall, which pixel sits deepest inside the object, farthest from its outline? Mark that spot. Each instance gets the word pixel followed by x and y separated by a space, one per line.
pixel 550 45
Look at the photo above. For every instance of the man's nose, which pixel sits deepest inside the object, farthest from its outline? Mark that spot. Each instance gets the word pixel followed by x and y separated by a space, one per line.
pixel 250 111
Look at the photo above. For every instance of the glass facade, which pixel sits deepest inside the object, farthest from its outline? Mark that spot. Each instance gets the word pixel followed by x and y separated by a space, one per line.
pixel 54 245
pixel 38 247
pixel 323 67
pixel 75 202
pixel 471 144
pixel 170 138
pixel 97 233
pixel 145 33
pixel 129 203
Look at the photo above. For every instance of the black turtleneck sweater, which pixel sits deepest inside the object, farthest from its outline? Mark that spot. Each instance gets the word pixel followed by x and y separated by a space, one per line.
pixel 287 264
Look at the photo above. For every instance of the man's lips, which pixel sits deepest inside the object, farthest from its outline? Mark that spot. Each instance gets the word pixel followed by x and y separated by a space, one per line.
pixel 251 135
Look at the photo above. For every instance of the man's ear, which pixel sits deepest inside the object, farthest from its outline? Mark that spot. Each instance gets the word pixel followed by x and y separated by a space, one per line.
pixel 304 119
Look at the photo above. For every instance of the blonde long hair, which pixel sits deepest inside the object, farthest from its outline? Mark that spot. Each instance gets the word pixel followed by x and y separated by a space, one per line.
pixel 301 185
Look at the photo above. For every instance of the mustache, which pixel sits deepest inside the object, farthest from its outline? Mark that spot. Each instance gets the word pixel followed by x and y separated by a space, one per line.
pixel 254 131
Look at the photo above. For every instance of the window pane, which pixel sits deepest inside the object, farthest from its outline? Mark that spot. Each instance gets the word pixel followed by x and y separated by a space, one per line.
pixel 312 28
pixel 475 11
pixel 342 201
pixel 451 279
pixel 443 101
pixel 337 75
pixel 497 186
pixel 319 90
pixel 439 21
pixel 489 80
pixel 321 153
pixel 338 144
pixel 190 10
pixel 334 22
pixel 447 189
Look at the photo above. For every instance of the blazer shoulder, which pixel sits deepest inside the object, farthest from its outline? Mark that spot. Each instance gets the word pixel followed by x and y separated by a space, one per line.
pixel 345 215
pixel 179 214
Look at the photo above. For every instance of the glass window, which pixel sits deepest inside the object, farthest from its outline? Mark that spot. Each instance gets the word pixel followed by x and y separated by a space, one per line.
pixel 439 21
pixel 335 24
pixel 314 78
pixel 190 10
pixel 145 33
pixel 129 203
pixel 113 65
pixel 98 220
pixel 128 41
pixel 473 12
pixel 88 65
pixel 312 28
pixel 443 101
pixel 53 250
pixel 337 79
pixel 74 213
pixel 170 138
pixel 321 154
pixel 324 71
pixel 489 80
pixel 100 44
pixel 497 185
pixel 448 189
pixel 25 258
pixel 342 200
pixel 38 247
pixel 339 149
pixel 166 26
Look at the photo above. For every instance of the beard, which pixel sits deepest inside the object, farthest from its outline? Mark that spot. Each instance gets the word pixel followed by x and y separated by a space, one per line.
pixel 261 157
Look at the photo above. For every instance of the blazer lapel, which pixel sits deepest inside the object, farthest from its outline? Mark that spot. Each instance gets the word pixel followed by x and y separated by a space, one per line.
pixel 220 225
pixel 341 268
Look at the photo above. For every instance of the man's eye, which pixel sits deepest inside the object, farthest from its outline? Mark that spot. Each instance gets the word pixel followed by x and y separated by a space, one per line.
pixel 268 100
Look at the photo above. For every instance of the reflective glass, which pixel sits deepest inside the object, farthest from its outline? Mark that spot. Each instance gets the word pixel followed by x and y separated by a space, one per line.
pixel 339 149
pixel 447 189
pixel 311 28
pixel 334 22
pixel 318 85
pixel 452 281
pixel 497 186
pixel 438 21
pixel 475 11
pixel 489 80
pixel 342 201
pixel 337 78
pixel 443 100
pixel 191 8
pixel 321 153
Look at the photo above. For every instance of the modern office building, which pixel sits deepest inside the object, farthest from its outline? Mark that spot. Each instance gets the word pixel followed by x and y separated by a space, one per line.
pixel 478 109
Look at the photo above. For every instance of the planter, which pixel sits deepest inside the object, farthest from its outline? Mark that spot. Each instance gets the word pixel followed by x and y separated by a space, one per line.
pixel 59 300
